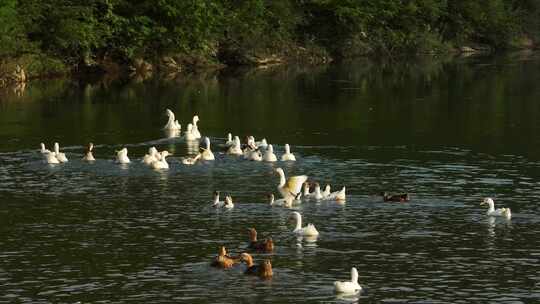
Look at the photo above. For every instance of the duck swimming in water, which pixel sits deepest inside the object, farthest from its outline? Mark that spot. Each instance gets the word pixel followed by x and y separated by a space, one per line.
pixel 223 260
pixel 59 155
pixel 288 156
pixel 351 286
pixel 404 197
pixel 161 163
pixel 88 156
pixel 503 212
pixel 152 156
pixel 122 156
pixel 235 148
pixel 309 230
pixel 334 196
pixel 263 271
pixel 290 187
pixel 188 134
pixel 172 124
pixel 269 155
pixel 262 246
pixel 206 153
pixel 195 129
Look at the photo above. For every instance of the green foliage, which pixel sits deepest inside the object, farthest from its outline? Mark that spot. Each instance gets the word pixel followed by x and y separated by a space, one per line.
pixel 74 31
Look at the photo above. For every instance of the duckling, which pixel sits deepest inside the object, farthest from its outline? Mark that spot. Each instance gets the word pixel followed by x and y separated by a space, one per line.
pixel 223 260
pixel 265 246
pixel 263 271
pixel 404 197
pixel 88 156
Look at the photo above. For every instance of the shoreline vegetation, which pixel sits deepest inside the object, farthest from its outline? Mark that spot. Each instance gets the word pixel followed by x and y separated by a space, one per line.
pixel 51 38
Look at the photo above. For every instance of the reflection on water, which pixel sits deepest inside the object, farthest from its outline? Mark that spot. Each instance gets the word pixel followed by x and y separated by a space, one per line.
pixel 109 232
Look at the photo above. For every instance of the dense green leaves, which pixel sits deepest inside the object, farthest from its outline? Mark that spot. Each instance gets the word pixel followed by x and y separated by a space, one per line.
pixel 79 30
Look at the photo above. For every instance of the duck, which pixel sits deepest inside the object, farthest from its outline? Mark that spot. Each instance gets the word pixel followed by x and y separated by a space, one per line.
pixel 188 134
pixel 305 190
pixel 43 150
pixel 288 156
pixel 235 148
pixel 50 158
pixel 195 130
pixel 206 153
pixel 152 156
pixel 262 144
pixel 191 160
pixel 121 156
pixel 334 196
pixel 269 155
pixel 351 286
pixel 263 271
pixel 59 155
pixel 316 194
pixel 223 260
pixel 172 124
pixel 229 142
pixel 503 212
pixel 161 163
pixel 404 197
pixel 289 187
pixel 309 230
pixel 263 246
pixel 280 202
pixel 227 203
pixel 88 156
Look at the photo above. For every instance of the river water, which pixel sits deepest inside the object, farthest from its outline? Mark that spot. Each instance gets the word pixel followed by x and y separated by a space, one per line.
pixel 448 132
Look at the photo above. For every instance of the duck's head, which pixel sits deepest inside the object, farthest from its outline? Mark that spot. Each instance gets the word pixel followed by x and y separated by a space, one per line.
pixel 270 197
pixel 270 149
pixel 287 149
pixel 195 119
pixel 266 269
pixel 222 251
pixel 264 142
pixel 327 188
pixel 189 127
pixel 215 195
pixel 487 201
pixel 207 142
pixel 89 147
pixel 279 171
pixel 165 153
pixel 169 112
pixel 228 200
pixel 152 151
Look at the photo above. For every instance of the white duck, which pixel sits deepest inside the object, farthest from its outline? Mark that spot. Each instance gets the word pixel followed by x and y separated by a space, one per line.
pixel 496 212
pixel 288 156
pixel 188 134
pixel 172 124
pixel 59 155
pixel 351 286
pixel 290 187
pixel 309 230
pixel 316 194
pixel 88 156
pixel 284 202
pixel 235 148
pixel 50 158
pixel 162 162
pixel 122 156
pixel 227 203
pixel 334 196
pixel 152 156
pixel 195 130
pixel 269 155
pixel 43 149
pixel 229 141
pixel 305 190
pixel 206 153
